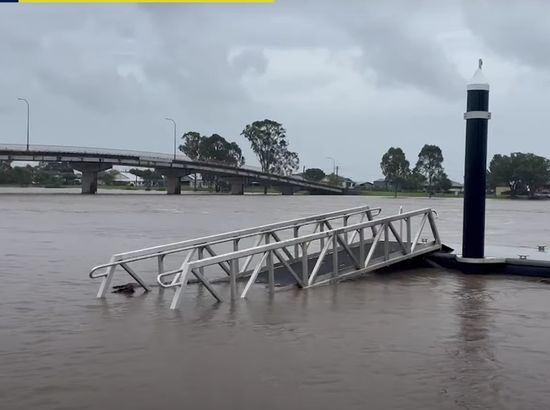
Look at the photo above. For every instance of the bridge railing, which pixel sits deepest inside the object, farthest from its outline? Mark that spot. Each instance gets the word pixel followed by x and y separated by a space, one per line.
pixel 366 245
pixel 148 155
pixel 229 241
pixel 95 151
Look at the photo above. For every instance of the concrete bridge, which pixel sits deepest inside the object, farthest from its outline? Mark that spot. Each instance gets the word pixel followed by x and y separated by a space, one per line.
pixel 90 161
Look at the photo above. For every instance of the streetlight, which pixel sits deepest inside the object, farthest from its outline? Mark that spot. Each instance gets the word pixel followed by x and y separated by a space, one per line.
pixel 28 119
pixel 173 122
pixel 333 165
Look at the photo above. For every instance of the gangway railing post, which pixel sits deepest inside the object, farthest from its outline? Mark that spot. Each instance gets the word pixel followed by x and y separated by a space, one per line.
pixel 335 255
pixel 160 263
pixel 386 242
pixel 433 226
pixel 401 222
pixel 346 219
pixel 270 272
pixel 200 255
pixel 176 300
pixel 106 282
pixel 233 278
pixel 235 249
pixel 322 229
pixel 409 233
pixel 296 232
pixel 305 267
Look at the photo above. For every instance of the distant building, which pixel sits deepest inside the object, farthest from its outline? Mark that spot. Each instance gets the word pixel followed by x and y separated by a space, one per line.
pixel 367 186
pixel 341 182
pixel 189 180
pixel 347 183
pixel 127 179
pixel 457 188
pixel 381 184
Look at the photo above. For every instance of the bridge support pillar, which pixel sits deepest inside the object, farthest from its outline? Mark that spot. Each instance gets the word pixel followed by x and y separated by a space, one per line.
pixel 286 189
pixel 89 175
pixel 237 185
pixel 173 184
pixel 172 179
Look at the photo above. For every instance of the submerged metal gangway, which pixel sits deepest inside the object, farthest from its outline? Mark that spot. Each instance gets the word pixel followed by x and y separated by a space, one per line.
pixel 311 251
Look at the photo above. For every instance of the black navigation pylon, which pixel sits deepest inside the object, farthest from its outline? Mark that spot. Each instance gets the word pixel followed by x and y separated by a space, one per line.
pixel 475 167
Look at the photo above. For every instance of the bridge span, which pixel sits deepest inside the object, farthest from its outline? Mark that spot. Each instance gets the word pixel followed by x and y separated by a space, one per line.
pixel 91 161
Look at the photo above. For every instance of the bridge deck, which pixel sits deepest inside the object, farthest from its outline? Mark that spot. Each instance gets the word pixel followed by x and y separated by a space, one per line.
pixel 90 161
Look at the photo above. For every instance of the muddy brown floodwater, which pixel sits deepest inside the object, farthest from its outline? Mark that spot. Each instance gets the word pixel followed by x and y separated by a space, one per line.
pixel 420 339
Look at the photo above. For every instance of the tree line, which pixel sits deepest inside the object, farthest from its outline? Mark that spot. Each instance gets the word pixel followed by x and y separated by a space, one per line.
pixel 268 140
pixel 44 174
pixel 522 173
pixel 428 172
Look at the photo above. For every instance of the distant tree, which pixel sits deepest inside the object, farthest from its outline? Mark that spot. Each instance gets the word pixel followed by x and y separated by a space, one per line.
pixel 150 177
pixel 54 173
pixel 314 174
pixel 443 183
pixel 414 181
pixel 521 172
pixel 6 172
pixel 190 147
pixel 288 163
pixel 191 144
pixel 218 149
pixel 15 175
pixel 22 175
pixel 501 171
pixel 430 164
pixel 214 148
pixel 395 168
pixel 533 171
pixel 268 141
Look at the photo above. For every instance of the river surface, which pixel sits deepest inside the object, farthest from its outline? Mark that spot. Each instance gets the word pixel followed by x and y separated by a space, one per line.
pixel 420 339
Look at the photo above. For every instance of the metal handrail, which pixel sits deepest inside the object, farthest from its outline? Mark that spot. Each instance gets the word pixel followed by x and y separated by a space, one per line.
pixel 176 247
pixel 335 238
pixel 294 241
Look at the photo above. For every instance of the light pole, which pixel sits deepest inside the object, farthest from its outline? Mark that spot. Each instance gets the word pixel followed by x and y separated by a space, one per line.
pixel 28 119
pixel 173 122
pixel 333 165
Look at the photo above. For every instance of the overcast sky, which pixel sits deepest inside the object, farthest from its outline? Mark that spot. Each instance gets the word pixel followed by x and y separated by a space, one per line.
pixel 348 79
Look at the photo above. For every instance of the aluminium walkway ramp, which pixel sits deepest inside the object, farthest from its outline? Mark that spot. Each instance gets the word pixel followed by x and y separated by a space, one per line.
pixel 309 251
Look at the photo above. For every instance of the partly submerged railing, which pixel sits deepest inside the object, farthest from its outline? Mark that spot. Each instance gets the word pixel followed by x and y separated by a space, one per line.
pixel 359 242
pixel 225 242
pixel 356 242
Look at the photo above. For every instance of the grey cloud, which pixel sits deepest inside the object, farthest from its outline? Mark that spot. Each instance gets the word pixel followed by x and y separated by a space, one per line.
pixel 519 30
pixel 249 62
pixel 121 69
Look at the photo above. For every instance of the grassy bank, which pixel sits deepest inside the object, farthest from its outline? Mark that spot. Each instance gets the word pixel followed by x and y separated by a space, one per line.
pixel 412 194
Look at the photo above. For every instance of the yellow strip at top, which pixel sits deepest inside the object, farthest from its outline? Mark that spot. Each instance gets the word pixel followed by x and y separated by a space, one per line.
pixel 146 1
